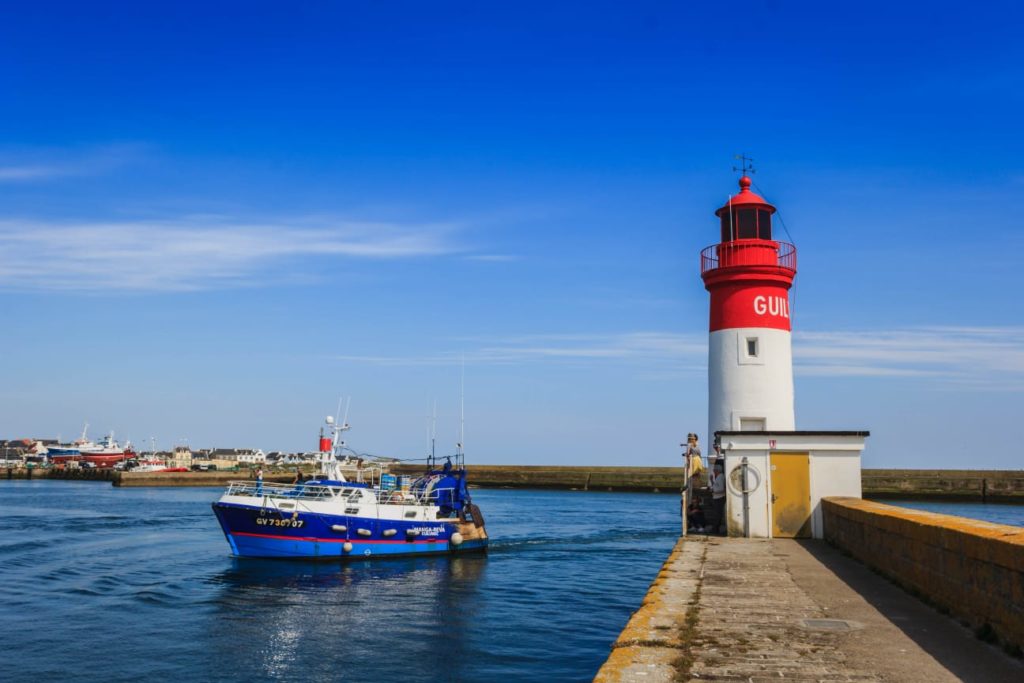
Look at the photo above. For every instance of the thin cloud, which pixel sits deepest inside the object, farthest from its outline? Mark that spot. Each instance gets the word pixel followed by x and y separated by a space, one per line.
pixel 37 165
pixel 194 254
pixel 993 356
pixel 493 258
pixel 644 348
pixel 965 357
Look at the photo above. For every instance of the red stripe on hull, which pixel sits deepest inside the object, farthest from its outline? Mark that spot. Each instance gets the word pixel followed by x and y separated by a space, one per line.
pixel 329 540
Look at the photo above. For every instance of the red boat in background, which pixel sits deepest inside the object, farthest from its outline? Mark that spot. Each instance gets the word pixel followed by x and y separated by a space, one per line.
pixel 103 454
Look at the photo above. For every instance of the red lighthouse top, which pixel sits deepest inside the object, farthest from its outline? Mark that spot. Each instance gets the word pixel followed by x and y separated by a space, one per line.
pixel 748 273
pixel 746 215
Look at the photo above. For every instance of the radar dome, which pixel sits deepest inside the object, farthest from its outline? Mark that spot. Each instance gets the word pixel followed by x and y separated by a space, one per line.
pixel 330 419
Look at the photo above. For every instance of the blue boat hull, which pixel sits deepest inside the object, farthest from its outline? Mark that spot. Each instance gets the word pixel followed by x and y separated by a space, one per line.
pixel 260 532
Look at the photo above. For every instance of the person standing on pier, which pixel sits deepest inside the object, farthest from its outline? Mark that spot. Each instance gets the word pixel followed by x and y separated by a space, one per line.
pixel 718 495
pixel 259 481
pixel 693 457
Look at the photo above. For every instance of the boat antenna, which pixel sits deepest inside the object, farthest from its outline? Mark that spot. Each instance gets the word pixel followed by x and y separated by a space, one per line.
pixel 433 434
pixel 344 422
pixel 462 410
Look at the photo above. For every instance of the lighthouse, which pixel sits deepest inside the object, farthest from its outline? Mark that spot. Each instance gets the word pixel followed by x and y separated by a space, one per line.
pixel 750 358
pixel 776 477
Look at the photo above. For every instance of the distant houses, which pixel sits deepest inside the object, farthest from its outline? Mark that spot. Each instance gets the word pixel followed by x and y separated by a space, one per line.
pixel 15 452
pixel 241 456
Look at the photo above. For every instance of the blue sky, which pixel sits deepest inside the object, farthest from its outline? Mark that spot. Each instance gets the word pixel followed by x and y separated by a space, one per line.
pixel 216 220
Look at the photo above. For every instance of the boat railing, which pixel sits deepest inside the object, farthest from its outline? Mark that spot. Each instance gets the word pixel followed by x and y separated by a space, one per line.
pixel 329 492
pixel 261 490
pixel 407 497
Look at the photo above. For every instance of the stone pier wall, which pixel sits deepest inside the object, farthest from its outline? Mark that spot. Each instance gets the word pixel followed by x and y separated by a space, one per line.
pixel 973 569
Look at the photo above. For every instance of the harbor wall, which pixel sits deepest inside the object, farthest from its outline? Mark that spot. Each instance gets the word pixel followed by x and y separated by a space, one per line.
pixel 987 486
pixel 141 478
pixel 655 479
pixel 967 485
pixel 990 486
pixel 53 473
pixel 218 478
pixel 973 569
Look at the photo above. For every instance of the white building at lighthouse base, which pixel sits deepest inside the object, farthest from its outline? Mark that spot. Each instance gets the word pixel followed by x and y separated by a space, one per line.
pixel 775 480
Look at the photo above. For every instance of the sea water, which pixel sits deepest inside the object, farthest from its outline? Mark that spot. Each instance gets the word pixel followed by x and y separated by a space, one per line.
pixel 109 584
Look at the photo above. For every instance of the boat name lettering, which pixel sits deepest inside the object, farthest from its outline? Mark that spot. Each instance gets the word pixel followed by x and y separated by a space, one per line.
pixel 287 522
pixel 428 530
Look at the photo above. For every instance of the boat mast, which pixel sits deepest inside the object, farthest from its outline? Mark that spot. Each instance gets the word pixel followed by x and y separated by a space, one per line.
pixel 332 468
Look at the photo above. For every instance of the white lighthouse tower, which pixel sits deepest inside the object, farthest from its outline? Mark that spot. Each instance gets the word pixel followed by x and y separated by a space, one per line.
pixel 750 358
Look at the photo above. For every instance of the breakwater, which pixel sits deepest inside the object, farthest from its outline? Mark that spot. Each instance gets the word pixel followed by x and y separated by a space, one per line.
pixel 642 479
pixel 142 478
pixel 53 473
pixel 967 485
pixel 987 486
pixel 973 569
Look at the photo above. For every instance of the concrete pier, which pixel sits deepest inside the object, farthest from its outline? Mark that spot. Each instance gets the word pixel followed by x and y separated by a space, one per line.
pixel 755 610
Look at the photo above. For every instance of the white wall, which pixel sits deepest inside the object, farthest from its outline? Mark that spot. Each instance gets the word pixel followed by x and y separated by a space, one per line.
pixel 757 500
pixel 743 387
pixel 834 462
pixel 833 473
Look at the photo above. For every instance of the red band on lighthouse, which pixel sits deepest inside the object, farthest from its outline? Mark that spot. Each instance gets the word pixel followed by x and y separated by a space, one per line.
pixel 742 305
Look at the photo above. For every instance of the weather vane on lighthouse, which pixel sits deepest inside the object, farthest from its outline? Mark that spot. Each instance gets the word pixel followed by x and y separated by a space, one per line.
pixel 746 164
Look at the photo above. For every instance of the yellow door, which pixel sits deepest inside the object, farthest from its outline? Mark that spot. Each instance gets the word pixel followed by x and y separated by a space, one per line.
pixel 791 495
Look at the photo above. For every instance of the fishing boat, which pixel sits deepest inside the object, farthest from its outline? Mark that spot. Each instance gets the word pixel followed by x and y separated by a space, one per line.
pixel 354 510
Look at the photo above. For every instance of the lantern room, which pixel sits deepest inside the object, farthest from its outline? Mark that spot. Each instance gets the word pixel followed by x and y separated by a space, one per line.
pixel 746 216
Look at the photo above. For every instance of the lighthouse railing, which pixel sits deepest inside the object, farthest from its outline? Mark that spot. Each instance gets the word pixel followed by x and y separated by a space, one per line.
pixel 753 252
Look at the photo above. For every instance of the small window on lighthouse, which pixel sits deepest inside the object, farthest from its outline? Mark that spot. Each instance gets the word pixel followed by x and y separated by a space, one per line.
pixel 752 347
